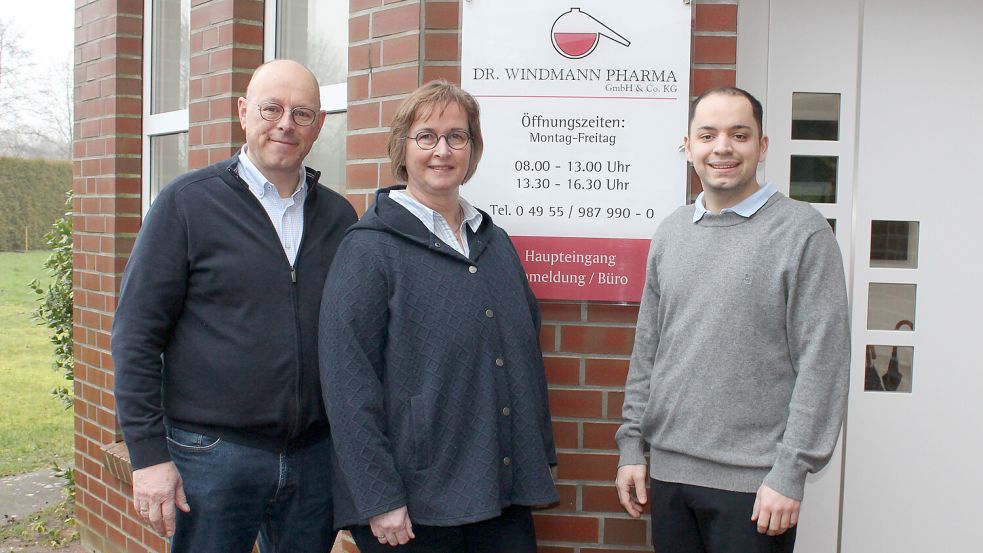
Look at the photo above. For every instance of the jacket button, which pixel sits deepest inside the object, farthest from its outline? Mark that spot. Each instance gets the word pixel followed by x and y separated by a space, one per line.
pixel 499 362
pixel 489 313
pixel 506 411
pixel 506 461
pixel 472 269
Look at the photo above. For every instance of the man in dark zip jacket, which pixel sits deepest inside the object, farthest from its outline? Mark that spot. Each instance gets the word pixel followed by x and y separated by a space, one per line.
pixel 215 337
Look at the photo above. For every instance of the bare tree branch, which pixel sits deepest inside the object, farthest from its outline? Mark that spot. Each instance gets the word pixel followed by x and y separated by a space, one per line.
pixel 35 104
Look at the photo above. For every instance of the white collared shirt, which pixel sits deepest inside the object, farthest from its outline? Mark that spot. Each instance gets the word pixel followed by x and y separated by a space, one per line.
pixel 436 223
pixel 286 214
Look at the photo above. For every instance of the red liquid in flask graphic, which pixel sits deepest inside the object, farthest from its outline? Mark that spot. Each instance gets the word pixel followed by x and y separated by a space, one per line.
pixel 576 34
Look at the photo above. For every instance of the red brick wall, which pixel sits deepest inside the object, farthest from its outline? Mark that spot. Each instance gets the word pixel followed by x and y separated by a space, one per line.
pixel 714 55
pixel 396 45
pixel 226 45
pixel 107 165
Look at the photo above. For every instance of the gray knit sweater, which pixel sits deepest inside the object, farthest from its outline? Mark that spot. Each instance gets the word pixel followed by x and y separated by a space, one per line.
pixel 742 350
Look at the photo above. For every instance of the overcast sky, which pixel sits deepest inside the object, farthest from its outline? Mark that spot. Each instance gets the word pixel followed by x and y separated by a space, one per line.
pixel 48 27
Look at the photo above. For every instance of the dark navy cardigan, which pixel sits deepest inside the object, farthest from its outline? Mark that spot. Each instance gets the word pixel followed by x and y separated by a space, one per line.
pixel 432 375
pixel 209 286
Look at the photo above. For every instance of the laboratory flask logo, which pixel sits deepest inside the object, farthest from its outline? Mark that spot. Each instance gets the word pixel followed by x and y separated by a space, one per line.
pixel 576 34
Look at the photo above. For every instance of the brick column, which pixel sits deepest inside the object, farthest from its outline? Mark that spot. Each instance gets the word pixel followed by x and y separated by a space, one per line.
pixel 394 47
pixel 384 66
pixel 107 186
pixel 714 56
pixel 226 46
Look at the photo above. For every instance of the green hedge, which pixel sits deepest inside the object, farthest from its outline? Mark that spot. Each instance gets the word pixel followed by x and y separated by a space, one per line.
pixel 32 194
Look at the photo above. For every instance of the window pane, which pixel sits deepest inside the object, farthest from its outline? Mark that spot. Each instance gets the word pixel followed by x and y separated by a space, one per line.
pixel 894 244
pixel 891 306
pixel 813 179
pixel 315 33
pixel 888 368
pixel 328 153
pixel 815 116
pixel 170 55
pixel 168 160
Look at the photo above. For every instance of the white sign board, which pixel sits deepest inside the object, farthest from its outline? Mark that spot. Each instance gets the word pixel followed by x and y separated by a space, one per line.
pixel 584 107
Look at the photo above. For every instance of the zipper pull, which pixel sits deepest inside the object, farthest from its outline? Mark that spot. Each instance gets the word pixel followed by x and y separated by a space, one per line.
pixel 293 274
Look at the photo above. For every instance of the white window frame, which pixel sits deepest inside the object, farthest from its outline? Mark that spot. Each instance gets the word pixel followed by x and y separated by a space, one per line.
pixel 154 124
pixel 334 98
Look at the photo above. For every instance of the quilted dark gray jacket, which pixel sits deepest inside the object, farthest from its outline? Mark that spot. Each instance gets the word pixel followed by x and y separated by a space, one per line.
pixel 432 375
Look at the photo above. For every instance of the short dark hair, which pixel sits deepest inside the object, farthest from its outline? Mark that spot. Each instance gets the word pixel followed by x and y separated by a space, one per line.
pixel 756 108
pixel 431 97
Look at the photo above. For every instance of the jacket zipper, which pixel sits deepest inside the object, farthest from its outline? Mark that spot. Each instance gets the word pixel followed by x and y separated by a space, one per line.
pixel 293 280
pixel 308 218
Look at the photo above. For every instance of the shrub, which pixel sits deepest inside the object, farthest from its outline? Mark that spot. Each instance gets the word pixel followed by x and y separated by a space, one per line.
pixel 31 193
pixel 55 309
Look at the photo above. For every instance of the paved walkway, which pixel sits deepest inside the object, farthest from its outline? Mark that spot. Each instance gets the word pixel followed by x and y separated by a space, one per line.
pixel 24 494
pixel 75 547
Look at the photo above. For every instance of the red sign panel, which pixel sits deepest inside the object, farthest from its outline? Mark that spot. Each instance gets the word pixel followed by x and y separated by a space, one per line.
pixel 599 269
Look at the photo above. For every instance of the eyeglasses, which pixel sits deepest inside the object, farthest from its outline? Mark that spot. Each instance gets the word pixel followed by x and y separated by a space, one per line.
pixel 427 140
pixel 303 117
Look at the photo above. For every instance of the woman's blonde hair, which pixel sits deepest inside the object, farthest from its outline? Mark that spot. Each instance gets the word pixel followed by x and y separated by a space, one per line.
pixel 432 97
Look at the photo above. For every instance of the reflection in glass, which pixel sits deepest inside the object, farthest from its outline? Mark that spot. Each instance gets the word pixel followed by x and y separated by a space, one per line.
pixel 813 179
pixel 815 116
pixel 890 306
pixel 170 55
pixel 328 153
pixel 888 368
pixel 315 33
pixel 168 160
pixel 894 244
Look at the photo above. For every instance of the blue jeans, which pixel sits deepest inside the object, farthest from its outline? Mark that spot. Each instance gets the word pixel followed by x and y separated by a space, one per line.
pixel 238 493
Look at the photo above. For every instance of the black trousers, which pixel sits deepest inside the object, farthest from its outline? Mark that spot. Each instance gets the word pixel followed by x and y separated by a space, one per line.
pixel 694 519
pixel 511 532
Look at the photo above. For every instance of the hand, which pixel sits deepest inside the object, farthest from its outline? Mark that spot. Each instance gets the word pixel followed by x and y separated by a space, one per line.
pixel 393 527
pixel 631 482
pixel 157 490
pixel 774 512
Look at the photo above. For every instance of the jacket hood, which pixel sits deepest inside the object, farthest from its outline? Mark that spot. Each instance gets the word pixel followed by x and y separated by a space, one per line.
pixel 386 215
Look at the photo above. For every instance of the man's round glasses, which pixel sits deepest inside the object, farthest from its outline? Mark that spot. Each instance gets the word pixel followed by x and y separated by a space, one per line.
pixel 427 140
pixel 303 117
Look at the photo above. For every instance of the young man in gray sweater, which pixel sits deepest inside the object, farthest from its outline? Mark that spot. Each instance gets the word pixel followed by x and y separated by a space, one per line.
pixel 738 379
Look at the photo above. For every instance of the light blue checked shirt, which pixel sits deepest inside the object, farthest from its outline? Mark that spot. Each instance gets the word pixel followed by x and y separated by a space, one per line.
pixel 748 207
pixel 286 214
pixel 436 223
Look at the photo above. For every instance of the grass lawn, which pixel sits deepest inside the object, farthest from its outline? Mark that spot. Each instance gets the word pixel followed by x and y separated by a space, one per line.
pixel 35 429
